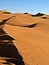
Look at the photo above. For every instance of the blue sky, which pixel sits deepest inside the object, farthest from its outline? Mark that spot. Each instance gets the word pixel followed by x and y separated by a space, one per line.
pixel 31 6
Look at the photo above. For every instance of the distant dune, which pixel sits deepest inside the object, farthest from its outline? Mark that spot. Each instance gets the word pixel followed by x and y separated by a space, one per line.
pixel 31 36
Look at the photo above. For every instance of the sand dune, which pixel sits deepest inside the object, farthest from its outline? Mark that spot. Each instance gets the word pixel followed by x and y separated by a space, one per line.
pixel 31 36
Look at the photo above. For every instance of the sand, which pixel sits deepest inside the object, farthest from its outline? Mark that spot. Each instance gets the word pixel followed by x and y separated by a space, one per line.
pixel 32 42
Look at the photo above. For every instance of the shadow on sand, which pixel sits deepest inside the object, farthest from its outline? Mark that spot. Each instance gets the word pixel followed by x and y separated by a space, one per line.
pixel 38 14
pixel 30 26
pixel 6 12
pixel 27 26
pixel 44 17
pixel 8 49
pixel 5 20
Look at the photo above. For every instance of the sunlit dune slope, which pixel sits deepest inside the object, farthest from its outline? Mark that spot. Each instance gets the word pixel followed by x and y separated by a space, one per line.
pixel 31 34
pixel 4 15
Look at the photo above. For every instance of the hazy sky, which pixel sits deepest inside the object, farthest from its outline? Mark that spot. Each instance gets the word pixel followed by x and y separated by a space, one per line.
pixel 31 6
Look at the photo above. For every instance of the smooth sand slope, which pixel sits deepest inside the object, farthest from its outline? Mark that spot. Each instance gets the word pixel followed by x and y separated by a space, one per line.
pixel 31 34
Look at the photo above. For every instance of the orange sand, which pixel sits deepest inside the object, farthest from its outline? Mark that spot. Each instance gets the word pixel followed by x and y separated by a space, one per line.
pixel 32 43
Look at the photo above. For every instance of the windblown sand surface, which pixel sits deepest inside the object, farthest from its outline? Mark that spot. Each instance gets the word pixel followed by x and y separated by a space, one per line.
pixel 31 34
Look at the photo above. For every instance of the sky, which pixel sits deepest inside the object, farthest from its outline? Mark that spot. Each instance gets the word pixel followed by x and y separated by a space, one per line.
pixel 21 6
